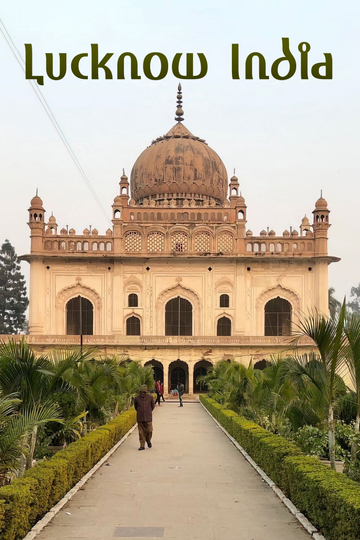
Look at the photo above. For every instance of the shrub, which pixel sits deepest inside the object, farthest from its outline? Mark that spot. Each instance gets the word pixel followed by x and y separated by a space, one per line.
pixel 312 441
pixel 329 499
pixel 27 499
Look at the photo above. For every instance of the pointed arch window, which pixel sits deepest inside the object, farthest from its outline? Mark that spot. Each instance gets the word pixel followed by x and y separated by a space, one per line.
pixel 224 326
pixel 133 326
pixel 278 317
pixel 79 317
pixel 178 317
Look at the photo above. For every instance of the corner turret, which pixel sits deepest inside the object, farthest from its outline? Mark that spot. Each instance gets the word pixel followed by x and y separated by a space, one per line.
pixel 321 225
pixel 36 223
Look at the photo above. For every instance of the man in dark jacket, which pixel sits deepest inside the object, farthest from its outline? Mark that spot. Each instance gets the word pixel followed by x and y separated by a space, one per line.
pixel 181 389
pixel 144 405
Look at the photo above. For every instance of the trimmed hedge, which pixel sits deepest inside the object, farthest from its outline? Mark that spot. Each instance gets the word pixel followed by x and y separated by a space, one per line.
pixel 330 500
pixel 28 498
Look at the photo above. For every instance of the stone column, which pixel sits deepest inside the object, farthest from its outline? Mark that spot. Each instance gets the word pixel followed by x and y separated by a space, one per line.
pixel 166 378
pixel 191 378
pixel 321 287
pixel 37 297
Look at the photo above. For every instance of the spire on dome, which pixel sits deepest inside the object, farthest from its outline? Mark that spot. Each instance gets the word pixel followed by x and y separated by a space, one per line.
pixel 179 111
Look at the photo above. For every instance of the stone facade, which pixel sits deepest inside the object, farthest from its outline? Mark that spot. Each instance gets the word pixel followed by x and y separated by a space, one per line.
pixel 180 236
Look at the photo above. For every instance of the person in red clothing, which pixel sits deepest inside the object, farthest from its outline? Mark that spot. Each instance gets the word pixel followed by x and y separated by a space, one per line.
pixel 158 391
pixel 144 406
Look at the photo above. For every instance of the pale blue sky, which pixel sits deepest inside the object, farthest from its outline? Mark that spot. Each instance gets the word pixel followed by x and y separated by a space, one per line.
pixel 287 139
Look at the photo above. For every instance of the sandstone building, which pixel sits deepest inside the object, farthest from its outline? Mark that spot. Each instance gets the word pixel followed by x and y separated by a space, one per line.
pixel 179 281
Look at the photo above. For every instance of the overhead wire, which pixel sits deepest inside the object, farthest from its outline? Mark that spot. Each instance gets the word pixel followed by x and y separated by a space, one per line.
pixel 51 116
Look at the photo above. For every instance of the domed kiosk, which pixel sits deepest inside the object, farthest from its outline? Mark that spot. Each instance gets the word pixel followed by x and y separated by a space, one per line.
pixel 179 166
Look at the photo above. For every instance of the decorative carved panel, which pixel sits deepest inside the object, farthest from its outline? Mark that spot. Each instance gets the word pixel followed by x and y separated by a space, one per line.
pixel 179 242
pixel 133 241
pixel 202 242
pixel 225 243
pixel 155 242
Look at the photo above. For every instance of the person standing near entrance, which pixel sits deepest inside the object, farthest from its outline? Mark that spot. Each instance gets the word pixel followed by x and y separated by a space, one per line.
pixel 158 392
pixel 181 389
pixel 162 392
pixel 144 406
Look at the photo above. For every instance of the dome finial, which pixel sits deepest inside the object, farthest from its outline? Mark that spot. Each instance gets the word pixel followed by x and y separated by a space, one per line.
pixel 179 111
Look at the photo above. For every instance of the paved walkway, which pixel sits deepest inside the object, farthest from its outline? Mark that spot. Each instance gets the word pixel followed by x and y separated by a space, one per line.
pixel 192 484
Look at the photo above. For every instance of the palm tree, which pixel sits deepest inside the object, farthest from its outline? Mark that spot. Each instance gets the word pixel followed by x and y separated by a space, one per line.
pixel 328 336
pixel 311 378
pixel 17 429
pixel 37 381
pixel 334 304
pixel 132 375
pixel 352 333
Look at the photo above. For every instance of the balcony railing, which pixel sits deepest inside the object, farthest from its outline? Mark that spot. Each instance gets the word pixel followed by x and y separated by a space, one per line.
pixel 116 340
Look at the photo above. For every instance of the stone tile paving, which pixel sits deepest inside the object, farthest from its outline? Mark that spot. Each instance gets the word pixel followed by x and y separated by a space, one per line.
pixel 193 484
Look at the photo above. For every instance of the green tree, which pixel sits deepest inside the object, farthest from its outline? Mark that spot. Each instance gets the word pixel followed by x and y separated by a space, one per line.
pixel 352 333
pixel 13 299
pixel 17 431
pixel 354 304
pixel 328 336
pixel 38 381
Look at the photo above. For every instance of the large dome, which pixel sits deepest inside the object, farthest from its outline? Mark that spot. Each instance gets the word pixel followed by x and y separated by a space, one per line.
pixel 179 166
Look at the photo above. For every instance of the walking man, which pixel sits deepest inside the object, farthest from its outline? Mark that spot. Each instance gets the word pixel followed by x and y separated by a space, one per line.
pixel 144 406
pixel 181 389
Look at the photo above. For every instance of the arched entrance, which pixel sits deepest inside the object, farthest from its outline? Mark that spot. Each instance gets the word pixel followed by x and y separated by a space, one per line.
pixel 261 364
pixel 200 369
pixel 79 317
pixel 178 372
pixel 158 369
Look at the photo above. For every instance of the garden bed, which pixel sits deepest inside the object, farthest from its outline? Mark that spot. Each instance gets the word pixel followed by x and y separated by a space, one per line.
pixel 28 498
pixel 330 500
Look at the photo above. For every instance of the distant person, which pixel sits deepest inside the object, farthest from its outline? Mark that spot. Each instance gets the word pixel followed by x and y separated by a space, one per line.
pixel 162 392
pixel 181 389
pixel 158 392
pixel 144 406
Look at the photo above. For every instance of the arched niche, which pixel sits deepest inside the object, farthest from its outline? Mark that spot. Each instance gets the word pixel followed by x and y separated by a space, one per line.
pixel 223 326
pixel 178 317
pixel 62 298
pixel 178 372
pixel 133 326
pixel 272 292
pixel 261 364
pixel 200 368
pixel 79 317
pixel 172 292
pixel 158 369
pixel 277 317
